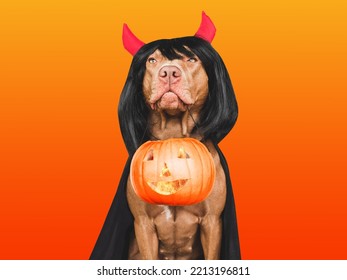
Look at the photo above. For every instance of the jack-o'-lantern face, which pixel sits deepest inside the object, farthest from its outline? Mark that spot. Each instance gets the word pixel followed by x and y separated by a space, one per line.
pixel 168 184
pixel 172 172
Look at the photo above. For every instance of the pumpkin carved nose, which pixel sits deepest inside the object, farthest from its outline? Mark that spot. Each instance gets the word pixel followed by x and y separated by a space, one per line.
pixel 170 74
pixel 165 172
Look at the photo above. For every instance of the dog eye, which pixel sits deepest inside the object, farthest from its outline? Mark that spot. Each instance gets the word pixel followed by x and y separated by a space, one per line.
pixel 152 60
pixel 192 59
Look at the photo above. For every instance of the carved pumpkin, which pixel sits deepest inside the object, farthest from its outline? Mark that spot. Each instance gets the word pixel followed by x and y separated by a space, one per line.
pixel 178 171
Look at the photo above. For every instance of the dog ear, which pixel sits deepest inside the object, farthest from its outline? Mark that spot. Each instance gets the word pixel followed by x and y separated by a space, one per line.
pixel 220 110
pixel 132 108
pixel 132 115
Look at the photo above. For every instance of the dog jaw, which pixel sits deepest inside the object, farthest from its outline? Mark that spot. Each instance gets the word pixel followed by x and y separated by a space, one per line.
pixel 169 102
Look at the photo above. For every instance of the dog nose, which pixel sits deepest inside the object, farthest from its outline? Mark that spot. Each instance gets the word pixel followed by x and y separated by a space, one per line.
pixel 170 74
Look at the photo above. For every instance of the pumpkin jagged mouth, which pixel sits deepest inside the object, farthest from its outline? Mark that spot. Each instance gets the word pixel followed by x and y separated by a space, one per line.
pixel 167 187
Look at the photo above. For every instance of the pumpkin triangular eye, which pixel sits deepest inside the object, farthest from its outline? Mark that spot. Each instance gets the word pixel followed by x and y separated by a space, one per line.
pixel 149 156
pixel 182 153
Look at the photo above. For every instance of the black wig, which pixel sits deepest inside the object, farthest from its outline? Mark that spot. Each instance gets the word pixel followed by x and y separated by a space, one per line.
pixel 219 113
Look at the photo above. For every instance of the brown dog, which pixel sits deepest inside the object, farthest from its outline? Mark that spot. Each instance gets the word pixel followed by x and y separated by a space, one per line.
pixel 170 88
pixel 176 88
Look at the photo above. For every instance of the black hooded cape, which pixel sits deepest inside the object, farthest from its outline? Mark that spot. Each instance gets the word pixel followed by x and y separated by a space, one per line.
pixel 114 238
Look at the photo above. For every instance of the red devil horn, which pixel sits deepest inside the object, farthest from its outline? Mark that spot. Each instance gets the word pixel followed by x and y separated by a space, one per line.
pixel 207 30
pixel 131 43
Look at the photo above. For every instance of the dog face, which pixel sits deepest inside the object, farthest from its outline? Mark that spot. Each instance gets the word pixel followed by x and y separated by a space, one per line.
pixel 174 85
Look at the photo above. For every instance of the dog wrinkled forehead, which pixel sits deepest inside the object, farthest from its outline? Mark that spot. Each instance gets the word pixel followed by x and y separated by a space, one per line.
pixel 132 44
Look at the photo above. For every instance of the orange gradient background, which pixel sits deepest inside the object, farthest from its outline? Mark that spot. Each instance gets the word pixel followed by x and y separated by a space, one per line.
pixel 62 67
